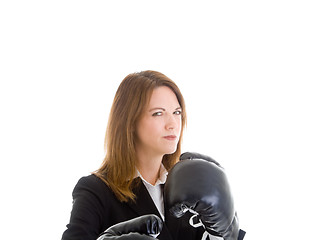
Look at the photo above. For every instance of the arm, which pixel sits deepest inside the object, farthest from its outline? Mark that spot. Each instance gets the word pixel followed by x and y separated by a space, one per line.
pixel 87 211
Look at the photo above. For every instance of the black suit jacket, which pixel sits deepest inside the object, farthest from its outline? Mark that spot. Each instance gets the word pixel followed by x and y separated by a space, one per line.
pixel 95 208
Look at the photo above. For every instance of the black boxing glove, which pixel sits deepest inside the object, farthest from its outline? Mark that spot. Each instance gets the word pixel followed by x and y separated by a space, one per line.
pixel 199 184
pixel 140 228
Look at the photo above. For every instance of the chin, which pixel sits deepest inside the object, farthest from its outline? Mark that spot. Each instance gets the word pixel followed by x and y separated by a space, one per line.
pixel 168 149
pixel 171 151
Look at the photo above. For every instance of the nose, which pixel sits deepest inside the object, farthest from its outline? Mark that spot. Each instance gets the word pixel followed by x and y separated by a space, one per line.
pixel 171 122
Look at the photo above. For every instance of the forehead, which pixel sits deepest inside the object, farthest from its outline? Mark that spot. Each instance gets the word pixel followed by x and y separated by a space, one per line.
pixel 162 96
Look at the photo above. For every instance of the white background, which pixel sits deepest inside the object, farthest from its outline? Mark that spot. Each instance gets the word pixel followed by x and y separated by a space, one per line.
pixel 253 74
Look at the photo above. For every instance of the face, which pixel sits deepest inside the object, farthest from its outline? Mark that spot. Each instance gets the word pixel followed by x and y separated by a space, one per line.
pixel 159 128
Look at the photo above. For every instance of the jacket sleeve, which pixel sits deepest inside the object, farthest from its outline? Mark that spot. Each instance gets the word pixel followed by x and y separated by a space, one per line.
pixel 87 212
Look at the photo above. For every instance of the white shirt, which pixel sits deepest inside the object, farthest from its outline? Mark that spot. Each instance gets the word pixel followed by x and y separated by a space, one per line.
pixel 156 193
pixel 156 190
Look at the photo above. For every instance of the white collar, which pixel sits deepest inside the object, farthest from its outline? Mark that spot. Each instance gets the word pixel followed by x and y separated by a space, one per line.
pixel 162 176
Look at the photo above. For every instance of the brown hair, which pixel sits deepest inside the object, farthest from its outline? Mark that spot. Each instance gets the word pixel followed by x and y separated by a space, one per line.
pixel 133 95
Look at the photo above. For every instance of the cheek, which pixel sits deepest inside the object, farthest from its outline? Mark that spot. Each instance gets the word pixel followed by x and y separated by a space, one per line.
pixel 149 128
pixel 179 125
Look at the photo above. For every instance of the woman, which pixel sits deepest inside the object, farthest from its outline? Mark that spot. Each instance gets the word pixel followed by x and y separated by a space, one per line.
pixel 143 142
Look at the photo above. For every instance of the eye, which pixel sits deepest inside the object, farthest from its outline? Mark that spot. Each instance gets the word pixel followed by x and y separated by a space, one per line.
pixel 157 114
pixel 178 112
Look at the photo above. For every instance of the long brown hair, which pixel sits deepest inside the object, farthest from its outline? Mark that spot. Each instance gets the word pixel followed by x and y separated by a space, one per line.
pixel 118 167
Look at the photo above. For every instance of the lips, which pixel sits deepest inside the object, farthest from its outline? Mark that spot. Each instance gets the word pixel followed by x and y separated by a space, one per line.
pixel 170 137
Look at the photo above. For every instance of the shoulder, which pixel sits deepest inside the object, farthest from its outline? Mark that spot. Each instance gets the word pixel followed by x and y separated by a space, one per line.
pixel 90 181
pixel 92 185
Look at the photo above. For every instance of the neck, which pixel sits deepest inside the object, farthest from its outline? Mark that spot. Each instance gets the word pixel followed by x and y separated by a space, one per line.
pixel 149 167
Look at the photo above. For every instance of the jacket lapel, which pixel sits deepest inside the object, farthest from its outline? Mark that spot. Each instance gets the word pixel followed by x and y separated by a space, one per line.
pixel 143 205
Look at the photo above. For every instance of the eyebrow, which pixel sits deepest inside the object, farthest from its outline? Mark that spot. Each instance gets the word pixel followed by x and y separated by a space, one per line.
pixel 160 108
